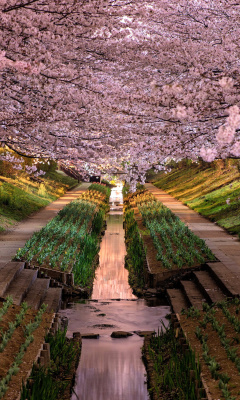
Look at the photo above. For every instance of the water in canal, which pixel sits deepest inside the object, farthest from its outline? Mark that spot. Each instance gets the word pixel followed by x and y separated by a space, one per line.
pixel 112 369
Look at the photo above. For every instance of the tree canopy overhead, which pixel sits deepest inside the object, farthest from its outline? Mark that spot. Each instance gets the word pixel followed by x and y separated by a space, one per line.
pixel 104 84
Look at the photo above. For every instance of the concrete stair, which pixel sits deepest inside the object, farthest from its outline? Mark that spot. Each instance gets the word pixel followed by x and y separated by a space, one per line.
pixel 209 287
pixel 193 293
pixel 24 285
pixel 53 299
pixel 19 287
pixel 37 293
pixel 178 300
pixel 212 284
pixel 227 280
pixel 8 273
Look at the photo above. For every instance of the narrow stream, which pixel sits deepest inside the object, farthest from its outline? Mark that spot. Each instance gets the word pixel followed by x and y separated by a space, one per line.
pixel 112 369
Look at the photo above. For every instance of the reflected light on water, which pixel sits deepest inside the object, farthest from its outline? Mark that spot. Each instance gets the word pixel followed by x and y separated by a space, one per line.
pixel 118 364
pixel 111 280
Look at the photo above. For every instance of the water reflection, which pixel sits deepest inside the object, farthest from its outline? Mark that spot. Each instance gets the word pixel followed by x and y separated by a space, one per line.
pixel 111 281
pixel 111 370
pixel 119 315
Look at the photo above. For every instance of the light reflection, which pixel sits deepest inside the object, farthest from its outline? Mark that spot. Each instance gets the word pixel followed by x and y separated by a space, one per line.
pixel 111 370
pixel 111 281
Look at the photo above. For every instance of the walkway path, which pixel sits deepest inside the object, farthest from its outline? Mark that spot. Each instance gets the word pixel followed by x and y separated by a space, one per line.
pixel 226 247
pixel 12 240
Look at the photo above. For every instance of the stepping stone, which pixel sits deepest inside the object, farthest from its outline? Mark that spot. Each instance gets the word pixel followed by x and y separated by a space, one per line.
pixel 53 299
pixel 145 333
pixel 193 294
pixel 209 286
pixel 90 336
pixel 178 300
pixel 20 286
pixel 37 293
pixel 8 273
pixel 120 334
pixel 226 279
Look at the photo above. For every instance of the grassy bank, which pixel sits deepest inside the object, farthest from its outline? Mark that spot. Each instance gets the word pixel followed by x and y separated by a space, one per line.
pixel 55 381
pixel 170 369
pixel 213 334
pixel 211 189
pixel 22 195
pixel 22 334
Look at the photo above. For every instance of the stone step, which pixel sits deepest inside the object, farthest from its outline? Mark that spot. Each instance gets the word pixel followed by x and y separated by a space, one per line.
pixel 177 300
pixel 8 273
pixel 2 264
pixel 37 293
pixel 193 294
pixel 209 287
pixel 53 299
pixel 226 279
pixel 20 286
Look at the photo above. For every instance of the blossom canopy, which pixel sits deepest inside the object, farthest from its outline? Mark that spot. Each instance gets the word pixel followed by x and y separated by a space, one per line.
pixel 112 85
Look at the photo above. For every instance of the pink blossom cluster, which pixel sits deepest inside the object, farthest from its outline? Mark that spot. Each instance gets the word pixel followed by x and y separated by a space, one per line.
pixel 16 162
pixel 108 86
pixel 235 150
pixel 33 170
pixel 208 154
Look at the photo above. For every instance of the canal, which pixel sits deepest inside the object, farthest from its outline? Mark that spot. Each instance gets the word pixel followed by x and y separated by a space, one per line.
pixel 111 368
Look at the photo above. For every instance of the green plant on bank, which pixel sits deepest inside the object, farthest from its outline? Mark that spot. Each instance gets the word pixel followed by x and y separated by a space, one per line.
pixel 28 333
pixel 70 241
pixel 63 351
pixel 6 336
pixel 42 386
pixel 135 251
pixel 220 329
pixel 214 367
pixel 97 223
pixel 191 312
pixel 211 317
pixel 50 383
pixel 172 367
pixel 17 202
pixel 101 188
pixel 5 306
pixel 176 244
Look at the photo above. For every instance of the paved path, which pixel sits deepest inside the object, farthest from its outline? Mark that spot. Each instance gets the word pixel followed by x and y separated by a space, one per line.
pixel 226 247
pixel 15 238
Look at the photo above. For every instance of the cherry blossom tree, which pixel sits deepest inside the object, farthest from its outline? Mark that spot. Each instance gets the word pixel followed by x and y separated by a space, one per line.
pixel 106 85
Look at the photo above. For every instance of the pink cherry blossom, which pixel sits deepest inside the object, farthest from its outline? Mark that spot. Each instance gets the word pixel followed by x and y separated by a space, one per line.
pixel 208 154
pixel 106 86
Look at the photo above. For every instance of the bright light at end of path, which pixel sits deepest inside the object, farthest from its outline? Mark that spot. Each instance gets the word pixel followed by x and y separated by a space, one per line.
pixel 116 194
